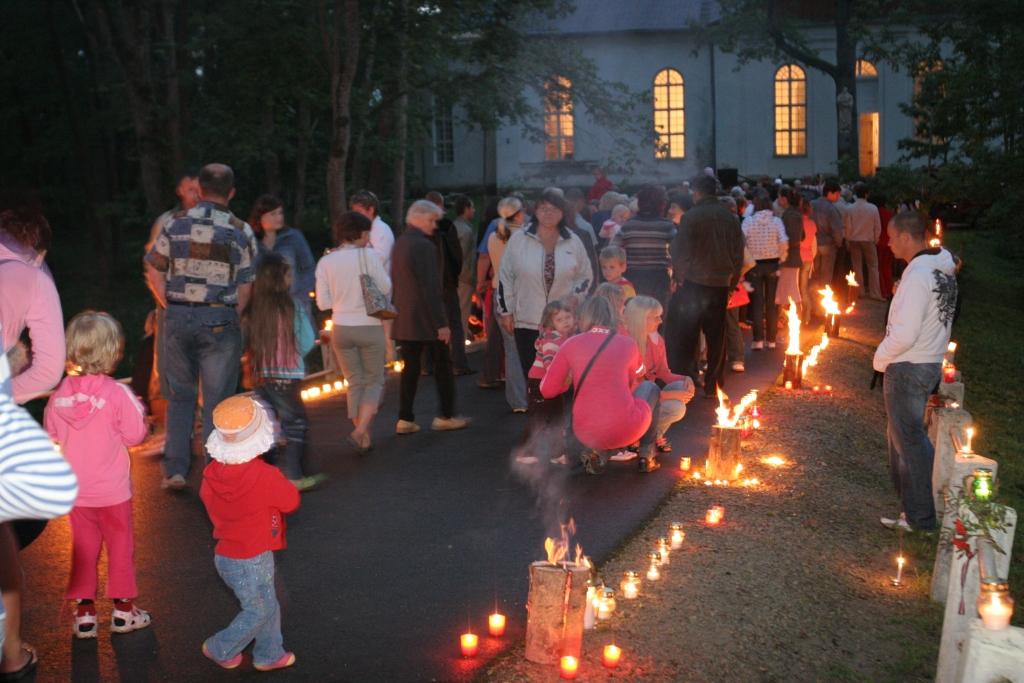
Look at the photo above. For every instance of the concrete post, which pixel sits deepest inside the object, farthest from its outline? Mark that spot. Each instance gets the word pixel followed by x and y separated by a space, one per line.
pixel 992 656
pixel 953 391
pixel 943 423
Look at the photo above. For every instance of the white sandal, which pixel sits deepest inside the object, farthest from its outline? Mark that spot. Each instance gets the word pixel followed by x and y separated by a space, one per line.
pixel 130 621
pixel 85 625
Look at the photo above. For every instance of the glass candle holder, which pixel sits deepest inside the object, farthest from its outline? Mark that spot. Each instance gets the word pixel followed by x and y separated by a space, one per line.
pixel 981 483
pixel 677 536
pixel 995 606
pixel 469 643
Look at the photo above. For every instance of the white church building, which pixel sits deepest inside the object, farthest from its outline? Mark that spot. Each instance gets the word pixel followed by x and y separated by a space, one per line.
pixel 761 118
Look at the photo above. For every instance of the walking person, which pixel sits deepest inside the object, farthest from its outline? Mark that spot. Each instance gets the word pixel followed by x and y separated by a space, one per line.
pixel 422 323
pixel 808 255
pixel 95 420
pixel 864 229
pixel 357 338
pixel 707 258
pixel 446 238
pixel 766 238
pixel 246 500
pixel 202 275
pixel 279 333
pixel 382 241
pixel 910 355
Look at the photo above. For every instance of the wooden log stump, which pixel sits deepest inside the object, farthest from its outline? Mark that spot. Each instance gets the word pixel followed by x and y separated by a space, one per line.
pixel 555 608
pixel 792 370
pixel 724 452
pixel 832 323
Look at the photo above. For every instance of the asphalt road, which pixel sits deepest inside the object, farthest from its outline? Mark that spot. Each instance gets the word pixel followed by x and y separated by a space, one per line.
pixel 385 566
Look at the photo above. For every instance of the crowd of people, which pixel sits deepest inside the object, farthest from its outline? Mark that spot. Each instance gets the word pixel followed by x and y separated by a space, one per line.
pixel 589 305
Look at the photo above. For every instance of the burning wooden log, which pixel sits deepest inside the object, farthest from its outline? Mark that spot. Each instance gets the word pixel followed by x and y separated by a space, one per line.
pixel 724 455
pixel 555 607
pixel 832 312
pixel 792 370
pixel 852 289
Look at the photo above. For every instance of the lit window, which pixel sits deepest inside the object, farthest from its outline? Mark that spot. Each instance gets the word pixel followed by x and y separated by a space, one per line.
pixel 866 69
pixel 790 111
pixel 558 119
pixel 669 115
pixel 444 139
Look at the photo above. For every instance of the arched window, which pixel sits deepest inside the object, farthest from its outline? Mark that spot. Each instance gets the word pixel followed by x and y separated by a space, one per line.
pixel 669 115
pixel 558 119
pixel 866 69
pixel 790 111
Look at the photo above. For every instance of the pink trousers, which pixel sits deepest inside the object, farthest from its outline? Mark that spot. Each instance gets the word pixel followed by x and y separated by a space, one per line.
pixel 91 529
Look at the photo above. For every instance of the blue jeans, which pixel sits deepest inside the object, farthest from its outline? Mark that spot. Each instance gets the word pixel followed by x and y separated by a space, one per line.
pixel 907 386
pixel 252 581
pixel 284 399
pixel 199 343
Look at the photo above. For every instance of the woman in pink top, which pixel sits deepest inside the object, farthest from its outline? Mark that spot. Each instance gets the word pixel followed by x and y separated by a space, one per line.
pixel 608 414
pixel 808 250
pixel 642 319
pixel 95 419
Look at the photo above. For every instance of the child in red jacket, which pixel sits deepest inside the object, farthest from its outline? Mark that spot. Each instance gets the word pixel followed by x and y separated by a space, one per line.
pixel 246 500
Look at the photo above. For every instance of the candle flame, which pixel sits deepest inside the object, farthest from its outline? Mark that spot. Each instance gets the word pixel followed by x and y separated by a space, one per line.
pixel 938 228
pixel 794 330
pixel 934 242
pixel 851 279
pixel 328 325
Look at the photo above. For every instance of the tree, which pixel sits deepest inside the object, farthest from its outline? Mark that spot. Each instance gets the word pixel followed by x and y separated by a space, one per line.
pixel 342 29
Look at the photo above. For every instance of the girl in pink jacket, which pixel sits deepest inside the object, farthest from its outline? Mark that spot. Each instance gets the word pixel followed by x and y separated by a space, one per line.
pixel 94 420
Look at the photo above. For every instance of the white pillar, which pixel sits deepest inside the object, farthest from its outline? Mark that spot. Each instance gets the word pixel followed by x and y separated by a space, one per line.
pixel 943 422
pixel 953 391
pixel 992 656
pixel 955 626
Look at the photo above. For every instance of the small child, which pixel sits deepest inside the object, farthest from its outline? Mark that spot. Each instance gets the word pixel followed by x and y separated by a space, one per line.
pixel 611 227
pixel 613 265
pixel 557 324
pixel 95 419
pixel 246 500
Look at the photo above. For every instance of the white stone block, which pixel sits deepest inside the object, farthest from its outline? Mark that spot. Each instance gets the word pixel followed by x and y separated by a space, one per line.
pixel 955 626
pixel 952 390
pixel 992 656
pixel 944 422
pixel 963 465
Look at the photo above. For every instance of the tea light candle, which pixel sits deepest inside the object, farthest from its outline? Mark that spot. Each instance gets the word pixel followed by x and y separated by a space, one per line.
pixel 789 384
pixel 713 516
pixel 995 610
pixel 569 666
pixel 900 561
pixel 631 589
pixel 469 642
pixel 610 657
pixel 496 624
pixel 652 573
pixel 663 549
pixel 677 536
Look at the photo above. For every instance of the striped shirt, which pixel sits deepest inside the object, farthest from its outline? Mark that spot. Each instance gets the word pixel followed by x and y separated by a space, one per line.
pixel 646 240
pixel 547 346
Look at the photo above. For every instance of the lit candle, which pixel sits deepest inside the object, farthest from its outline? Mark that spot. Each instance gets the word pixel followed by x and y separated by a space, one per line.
pixel 588 612
pixel 604 611
pixel 714 515
pixel 665 551
pixel 995 609
pixel 815 389
pixel 569 666
pixel 981 486
pixel 338 385
pixel 684 464
pixel 900 561
pixel 326 388
pixel 304 394
pixel 611 656
pixel 469 643
pixel 949 373
pixel 496 624
pixel 970 437
pixel 789 384
pixel 328 326
pixel 631 589
pixel 655 559
pixel 697 475
pixel 828 389
pixel 652 573
pixel 678 536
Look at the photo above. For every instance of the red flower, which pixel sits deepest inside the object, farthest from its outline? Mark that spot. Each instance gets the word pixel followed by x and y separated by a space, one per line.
pixel 961 530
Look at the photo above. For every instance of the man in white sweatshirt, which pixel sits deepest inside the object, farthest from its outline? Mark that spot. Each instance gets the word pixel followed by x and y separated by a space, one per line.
pixel 911 358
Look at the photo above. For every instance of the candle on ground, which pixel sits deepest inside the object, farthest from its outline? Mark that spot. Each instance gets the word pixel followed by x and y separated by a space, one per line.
pixel 949 373
pixel 652 573
pixel 611 656
pixel 970 437
pixel 900 561
pixel 496 624
pixel 678 536
pixel 469 643
pixel 995 611
pixel 714 515
pixel 631 589
pixel 684 464
pixel 569 666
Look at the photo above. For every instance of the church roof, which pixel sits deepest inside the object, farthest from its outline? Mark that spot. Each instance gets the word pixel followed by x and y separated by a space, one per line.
pixel 623 16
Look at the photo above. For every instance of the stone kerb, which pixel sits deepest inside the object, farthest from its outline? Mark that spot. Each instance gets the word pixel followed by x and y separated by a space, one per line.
pixel 992 656
pixel 943 422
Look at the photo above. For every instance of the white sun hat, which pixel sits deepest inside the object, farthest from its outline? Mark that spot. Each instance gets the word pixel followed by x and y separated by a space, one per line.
pixel 242 431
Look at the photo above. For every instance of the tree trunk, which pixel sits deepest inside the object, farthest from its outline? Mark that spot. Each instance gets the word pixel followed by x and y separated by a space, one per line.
pixel 172 106
pixel 401 119
pixel 345 28
pixel 845 77
pixel 301 162
pixel 271 163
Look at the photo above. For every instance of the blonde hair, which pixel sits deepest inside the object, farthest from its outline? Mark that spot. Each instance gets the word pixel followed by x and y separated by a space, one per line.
pixel 635 318
pixel 613 294
pixel 95 343
pixel 508 208
pixel 613 253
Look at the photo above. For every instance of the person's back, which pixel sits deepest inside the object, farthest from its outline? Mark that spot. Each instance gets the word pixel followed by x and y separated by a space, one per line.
pixel 709 247
pixel 646 239
pixel 829 221
pixel 864 221
pixel 416 282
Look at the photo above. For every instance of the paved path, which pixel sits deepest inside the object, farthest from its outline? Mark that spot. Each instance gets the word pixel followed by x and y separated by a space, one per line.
pixel 385 566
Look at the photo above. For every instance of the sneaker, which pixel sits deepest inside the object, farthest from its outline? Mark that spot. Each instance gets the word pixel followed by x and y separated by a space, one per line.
pixel 306 484
pixel 560 460
pixel 174 483
pixel 756 346
pixel 225 664
pixel 526 459
pixel 447 424
pixel 519 411
pixel 406 427
pixel 126 622
pixel 286 660
pixel 738 366
pixel 649 465
pixel 623 456
pixel 771 345
pixel 899 523
pixel 85 621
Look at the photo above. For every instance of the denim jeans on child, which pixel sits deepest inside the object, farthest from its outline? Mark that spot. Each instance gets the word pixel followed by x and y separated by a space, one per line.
pixel 199 343
pixel 284 398
pixel 907 386
pixel 252 581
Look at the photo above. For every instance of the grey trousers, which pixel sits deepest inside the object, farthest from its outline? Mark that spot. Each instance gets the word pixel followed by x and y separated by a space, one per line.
pixel 859 253
pixel 361 352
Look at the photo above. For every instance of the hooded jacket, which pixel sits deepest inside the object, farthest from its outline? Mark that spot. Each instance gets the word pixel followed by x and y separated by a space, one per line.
pixel 922 312
pixel 247 504
pixel 95 419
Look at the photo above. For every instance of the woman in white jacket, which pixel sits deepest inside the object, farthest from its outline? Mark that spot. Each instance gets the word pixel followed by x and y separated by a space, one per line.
pixel 542 263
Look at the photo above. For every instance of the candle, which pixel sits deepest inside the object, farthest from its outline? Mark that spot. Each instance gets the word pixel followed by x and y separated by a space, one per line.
pixel 569 666
pixel 603 611
pixel 663 548
pixel 588 612
pixel 338 385
pixel 714 515
pixel 304 394
pixel 496 624
pixel 326 388
pixel 611 656
pixel 949 373
pixel 789 384
pixel 652 573
pixel 677 535
pixel 995 608
pixel 469 643
pixel 981 484
pixel 970 437
pixel 900 561
pixel 684 464
pixel 631 589
pixel 655 559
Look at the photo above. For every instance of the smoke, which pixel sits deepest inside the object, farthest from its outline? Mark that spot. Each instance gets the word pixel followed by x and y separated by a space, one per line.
pixel 547 480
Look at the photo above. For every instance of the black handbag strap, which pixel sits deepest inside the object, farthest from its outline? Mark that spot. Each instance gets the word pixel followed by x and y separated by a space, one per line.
pixel 586 370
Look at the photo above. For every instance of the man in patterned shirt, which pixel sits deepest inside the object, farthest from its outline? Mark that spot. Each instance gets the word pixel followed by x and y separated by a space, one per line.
pixel 202 274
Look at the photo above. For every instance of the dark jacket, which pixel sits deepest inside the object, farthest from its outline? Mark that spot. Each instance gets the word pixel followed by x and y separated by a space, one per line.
pixel 794 222
pixel 417 289
pixel 708 248
pixel 450 250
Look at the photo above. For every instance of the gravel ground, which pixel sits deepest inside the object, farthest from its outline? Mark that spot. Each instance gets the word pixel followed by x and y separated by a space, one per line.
pixel 794 585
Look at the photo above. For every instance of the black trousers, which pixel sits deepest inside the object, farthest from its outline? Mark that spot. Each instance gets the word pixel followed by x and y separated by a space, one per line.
pixel 412 352
pixel 526 341
pixel 285 399
pixel 458 345
pixel 650 282
pixel 694 309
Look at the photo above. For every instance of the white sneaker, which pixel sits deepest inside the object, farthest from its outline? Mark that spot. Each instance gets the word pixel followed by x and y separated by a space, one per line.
pixel 623 456
pixel 757 346
pixel 771 345
pixel 560 460
pixel 126 622
pixel 406 427
pixel 738 367
pixel 526 459
pixel 447 424
pixel 899 523
pixel 174 483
